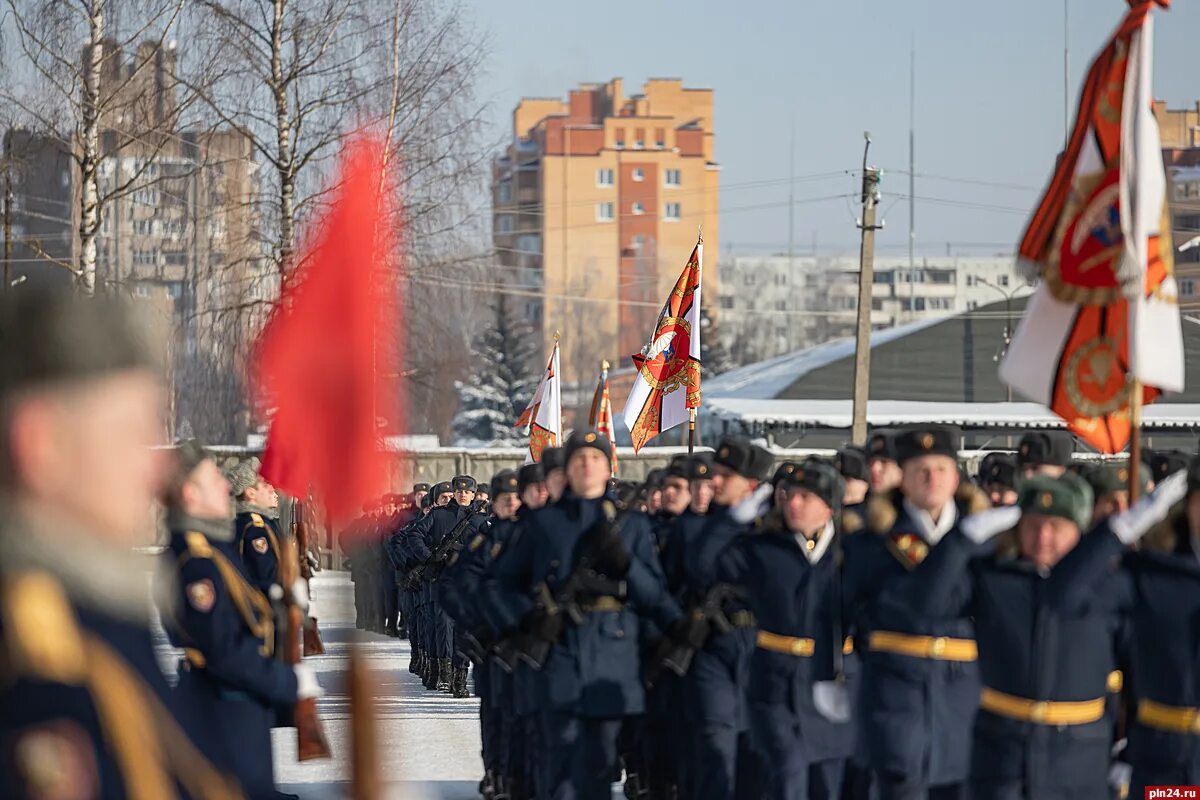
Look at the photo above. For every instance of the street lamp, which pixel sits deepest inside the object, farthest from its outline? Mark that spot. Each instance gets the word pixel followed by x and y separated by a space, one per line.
pixel 1008 295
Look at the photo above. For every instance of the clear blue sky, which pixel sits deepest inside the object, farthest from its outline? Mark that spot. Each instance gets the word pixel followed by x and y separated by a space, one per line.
pixel 989 102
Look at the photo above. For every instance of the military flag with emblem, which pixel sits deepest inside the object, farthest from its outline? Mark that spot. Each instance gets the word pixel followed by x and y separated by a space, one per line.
pixel 600 416
pixel 542 418
pixel 1101 334
pixel 666 391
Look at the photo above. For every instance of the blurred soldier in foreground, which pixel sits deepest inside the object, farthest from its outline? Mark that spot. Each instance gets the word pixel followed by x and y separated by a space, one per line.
pixel 87 712
pixel 228 679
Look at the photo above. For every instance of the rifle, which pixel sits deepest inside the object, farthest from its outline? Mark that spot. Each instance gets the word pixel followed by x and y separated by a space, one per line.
pixel 364 733
pixel 709 611
pixel 451 542
pixel 312 635
pixel 310 738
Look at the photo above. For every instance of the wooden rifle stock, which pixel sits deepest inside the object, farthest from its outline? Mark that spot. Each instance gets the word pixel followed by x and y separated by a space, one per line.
pixel 364 759
pixel 313 646
pixel 310 737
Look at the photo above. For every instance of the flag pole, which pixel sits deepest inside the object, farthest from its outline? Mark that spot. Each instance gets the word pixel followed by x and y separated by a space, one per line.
pixel 1135 438
pixel 700 366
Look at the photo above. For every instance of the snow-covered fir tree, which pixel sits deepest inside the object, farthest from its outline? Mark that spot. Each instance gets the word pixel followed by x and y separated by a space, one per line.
pixel 502 376
pixel 715 357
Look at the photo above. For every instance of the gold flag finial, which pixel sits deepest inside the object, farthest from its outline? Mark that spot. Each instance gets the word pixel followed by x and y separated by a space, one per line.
pixel 604 365
pixel 699 234
pixel 557 336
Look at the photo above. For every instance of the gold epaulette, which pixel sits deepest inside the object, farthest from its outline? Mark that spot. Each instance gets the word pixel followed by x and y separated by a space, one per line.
pixel 197 544
pixel 41 635
pixel 257 519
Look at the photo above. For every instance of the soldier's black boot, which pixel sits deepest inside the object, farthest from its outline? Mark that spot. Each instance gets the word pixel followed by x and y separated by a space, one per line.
pixel 414 663
pixel 431 673
pixel 500 788
pixel 458 684
pixel 487 786
pixel 445 673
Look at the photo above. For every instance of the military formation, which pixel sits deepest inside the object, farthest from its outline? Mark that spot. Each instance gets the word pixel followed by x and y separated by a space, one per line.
pixel 879 624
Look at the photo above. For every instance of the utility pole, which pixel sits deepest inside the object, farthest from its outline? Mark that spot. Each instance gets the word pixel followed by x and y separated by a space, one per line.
pixel 792 200
pixel 1066 72
pixel 866 278
pixel 912 156
pixel 8 198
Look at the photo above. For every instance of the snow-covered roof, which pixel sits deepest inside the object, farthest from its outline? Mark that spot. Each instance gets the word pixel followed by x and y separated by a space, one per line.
pixel 891 413
pixel 766 379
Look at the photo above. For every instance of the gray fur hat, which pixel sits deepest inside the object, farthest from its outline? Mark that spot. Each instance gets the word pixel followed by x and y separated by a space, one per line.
pixel 241 474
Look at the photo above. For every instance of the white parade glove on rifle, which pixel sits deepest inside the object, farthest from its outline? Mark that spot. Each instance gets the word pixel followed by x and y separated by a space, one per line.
pixel 307 687
pixel 1133 523
pixel 986 525
pixel 300 596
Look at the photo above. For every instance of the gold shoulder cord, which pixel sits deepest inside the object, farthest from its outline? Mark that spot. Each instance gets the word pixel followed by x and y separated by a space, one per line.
pixel 251 604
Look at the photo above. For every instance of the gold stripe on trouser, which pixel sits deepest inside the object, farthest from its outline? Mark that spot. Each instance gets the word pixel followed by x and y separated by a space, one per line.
pixel 936 647
pixel 1173 719
pixel 788 645
pixel 1043 712
pixel 604 603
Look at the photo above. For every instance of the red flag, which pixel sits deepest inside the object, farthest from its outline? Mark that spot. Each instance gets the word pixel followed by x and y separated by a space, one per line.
pixel 315 362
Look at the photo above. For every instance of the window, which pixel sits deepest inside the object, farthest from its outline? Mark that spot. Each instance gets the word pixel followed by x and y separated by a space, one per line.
pixel 638 208
pixel 529 243
pixel 504 193
pixel 970 280
pixel 1187 286
pixel 604 177
pixel 639 174
pixel 1004 280
pixel 620 138
pixel 639 139
pixel 781 305
pixel 726 301
pixel 672 212
pixel 972 305
pixel 660 138
pixel 175 259
pixel 504 223
pixel 671 177
pixel 145 258
pixel 604 212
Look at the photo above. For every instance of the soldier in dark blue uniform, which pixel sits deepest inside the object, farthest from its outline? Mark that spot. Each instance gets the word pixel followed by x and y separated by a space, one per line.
pixel 257 539
pixel 1163 604
pixel 920 681
pixel 86 710
pixel 1042 729
pixel 591 678
pixel 225 626
pixel 415 551
pixel 1164 463
pixel 1110 487
pixel 998 478
pixel 851 463
pixel 1044 453
pixel 789 574
pixel 554 468
pixel 882 461
pixel 721 758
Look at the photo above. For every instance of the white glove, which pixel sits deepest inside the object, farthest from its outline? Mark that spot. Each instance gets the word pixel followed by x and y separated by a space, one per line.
pixel 300 596
pixel 985 525
pixel 1120 775
pixel 753 506
pixel 306 682
pixel 832 700
pixel 1131 525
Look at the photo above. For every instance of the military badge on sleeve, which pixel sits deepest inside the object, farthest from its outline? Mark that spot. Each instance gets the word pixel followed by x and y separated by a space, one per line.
pixel 260 545
pixel 55 762
pixel 201 595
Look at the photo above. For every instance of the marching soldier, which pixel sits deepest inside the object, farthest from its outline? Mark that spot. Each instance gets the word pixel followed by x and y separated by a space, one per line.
pixel 1167 462
pixel 584 562
pixel 87 712
pixel 882 462
pixel 920 682
pixel 1044 453
pixel 998 477
pixel 225 626
pixel 1042 730
pixel 257 536
pixel 851 463
pixel 721 757
pixel 789 572
pixel 1110 488
pixel 1163 603
pixel 554 468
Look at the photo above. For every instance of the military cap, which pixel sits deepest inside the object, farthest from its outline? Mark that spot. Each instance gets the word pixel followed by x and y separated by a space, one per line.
pixel 529 475
pixel 654 478
pixel 738 454
pixel 505 480
pixel 925 440
pixel 1168 462
pixel 998 469
pixel 626 493
pixel 426 500
pixel 50 335
pixel 700 467
pixel 1053 448
pixel 784 469
pixel 367 506
pixel 440 488
pixel 554 458
pixel 463 483
pixel 882 444
pixel 678 468
pixel 1068 496
pixel 483 492
pixel 819 477
pixel 589 438
pixel 391 499
pixel 852 463
pixel 1108 478
pixel 241 474
pixel 420 487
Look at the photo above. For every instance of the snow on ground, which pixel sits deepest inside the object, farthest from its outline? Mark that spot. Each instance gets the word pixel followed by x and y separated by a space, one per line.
pixel 428 741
